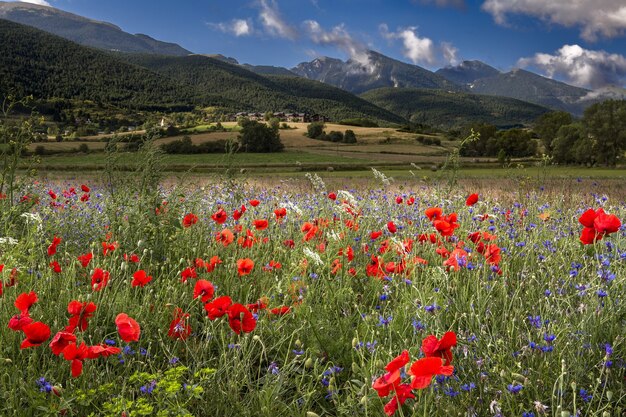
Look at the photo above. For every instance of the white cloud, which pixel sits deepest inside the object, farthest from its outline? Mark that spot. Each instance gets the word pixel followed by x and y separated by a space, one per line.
pixel 39 2
pixel 273 22
pixel 421 50
pixel 339 38
pixel 581 67
pixel 596 18
pixel 237 27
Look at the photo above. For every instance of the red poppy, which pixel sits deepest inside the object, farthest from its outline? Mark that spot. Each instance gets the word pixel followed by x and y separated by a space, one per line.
pixel 244 266
pixel 589 235
pixel 84 188
pixel 423 371
pixel 240 319
pixel 52 194
pixel 179 327
pixel 52 249
pixel 189 220
pixel 386 383
pixel 254 203
pixel 102 350
pixel 431 346
pixel 588 217
pixel 280 311
pixel 25 301
pixel 215 261
pixel 471 200
pixel 19 321
pixel 36 333
pixel 85 259
pixel 492 254
pixel 218 307
pixel 238 213
pixel 410 201
pixel 260 224
pixel 376 235
pixel 187 273
pixel 134 258
pixel 99 279
pixel 220 216
pixel 399 200
pixel 433 213
pixel 55 267
pixel 402 393
pixel 392 227
pixel 128 328
pixel 108 247
pixel 76 354
pixel 84 197
pixel 80 314
pixel 607 223
pixel 204 289
pixel 332 196
pixel 140 279
pixel 280 213
pixel 60 341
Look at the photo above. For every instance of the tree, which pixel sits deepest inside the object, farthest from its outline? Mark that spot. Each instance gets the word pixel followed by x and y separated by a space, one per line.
pixel 565 143
pixel 349 136
pixel 315 130
pixel 606 125
pixel 258 137
pixel 548 125
pixel 477 147
pixel 335 136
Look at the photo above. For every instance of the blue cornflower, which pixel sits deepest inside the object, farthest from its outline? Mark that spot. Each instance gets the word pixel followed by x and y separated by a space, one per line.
pixel 44 386
pixel 549 338
pixel 535 321
pixel 601 293
pixel 468 387
pixel 584 395
pixel 514 388
pixel 382 321
pixel 273 368
pixel 109 342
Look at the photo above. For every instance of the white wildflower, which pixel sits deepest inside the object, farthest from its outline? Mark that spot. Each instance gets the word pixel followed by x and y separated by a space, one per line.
pixel 315 257
pixel 382 177
pixel 8 241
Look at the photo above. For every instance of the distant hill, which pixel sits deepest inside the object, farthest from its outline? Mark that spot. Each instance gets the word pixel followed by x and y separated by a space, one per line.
pixel 262 93
pixel 467 72
pixel 85 31
pixel 257 69
pixel 47 66
pixel 454 109
pixel 383 72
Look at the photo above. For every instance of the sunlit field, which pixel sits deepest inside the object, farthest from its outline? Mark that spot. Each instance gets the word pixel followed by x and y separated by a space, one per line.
pixel 130 295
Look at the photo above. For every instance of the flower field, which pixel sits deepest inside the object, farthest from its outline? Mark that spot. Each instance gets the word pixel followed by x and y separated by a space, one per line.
pixel 233 300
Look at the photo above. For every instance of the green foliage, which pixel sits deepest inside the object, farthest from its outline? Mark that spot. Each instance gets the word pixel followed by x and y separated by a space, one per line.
pixel 349 136
pixel 315 130
pixel 444 109
pixel 605 124
pixel 259 137
pixel 185 146
pixel 548 125
pixel 359 122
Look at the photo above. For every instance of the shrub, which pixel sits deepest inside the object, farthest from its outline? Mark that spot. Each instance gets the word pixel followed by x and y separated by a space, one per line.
pixel 315 130
pixel 349 137
pixel 335 136
pixel 258 137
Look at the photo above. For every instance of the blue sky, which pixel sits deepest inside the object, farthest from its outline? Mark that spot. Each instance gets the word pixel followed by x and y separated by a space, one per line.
pixel 583 44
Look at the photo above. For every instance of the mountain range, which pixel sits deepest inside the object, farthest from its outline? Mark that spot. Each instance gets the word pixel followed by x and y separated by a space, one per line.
pixel 390 90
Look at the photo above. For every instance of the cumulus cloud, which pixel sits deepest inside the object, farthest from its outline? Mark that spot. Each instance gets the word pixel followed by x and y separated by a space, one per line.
pixel 421 50
pixel 39 2
pixel 273 22
pixel 237 27
pixel 341 39
pixel 606 18
pixel 581 67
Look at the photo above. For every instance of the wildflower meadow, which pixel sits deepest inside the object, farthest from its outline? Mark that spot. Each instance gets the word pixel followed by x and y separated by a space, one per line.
pixel 152 298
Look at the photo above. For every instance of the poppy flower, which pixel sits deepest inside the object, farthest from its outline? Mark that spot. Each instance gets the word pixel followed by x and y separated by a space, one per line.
pixel 403 392
pixel 423 371
pixel 60 341
pixel 280 311
pixel 52 194
pixel 589 235
pixel 102 350
pixel 225 237
pixel 240 319
pixel 179 329
pixel 55 267
pixel 471 200
pixel 127 328
pixel 76 354
pixel 140 279
pixel 187 273
pixel 261 304
pixel 218 307
pixel 84 197
pixel 280 213
pixel 189 220
pixel 220 216
pixel 107 247
pixel 254 203
pixel 238 213
pixel 376 235
pixel 80 314
pixel 410 201
pixel 213 262
pixel 386 383
pixel 36 333
pixel 52 249
pixel 204 289
pixel 19 321
pixel 392 227
pixel 84 188
pixel 85 259
pixel 134 258
pixel 332 196
pixel 433 213
pixel 431 346
pixel 244 266
pixel 606 223
pixel 25 301
pixel 588 217
pixel 99 279
pixel 399 200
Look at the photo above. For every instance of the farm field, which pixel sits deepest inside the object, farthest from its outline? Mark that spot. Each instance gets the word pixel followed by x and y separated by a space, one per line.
pixel 278 296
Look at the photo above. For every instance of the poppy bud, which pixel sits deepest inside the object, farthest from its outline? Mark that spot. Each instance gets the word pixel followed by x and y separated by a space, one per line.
pixel 363 400
pixel 355 342
pixel 256 338
pixel 312 414
pixel 565 414
pixel 140 243
pixel 308 364
pixel 123 266
pixel 609 395
pixel 573 385
pixel 519 378
pixel 57 390
pixel 298 343
pixel 355 368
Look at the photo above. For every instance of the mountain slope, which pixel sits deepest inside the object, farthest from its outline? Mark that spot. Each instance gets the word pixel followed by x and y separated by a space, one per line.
pixel 85 31
pixel 38 63
pixel 467 72
pixel 453 109
pixel 259 93
pixel 527 86
pixel 382 72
